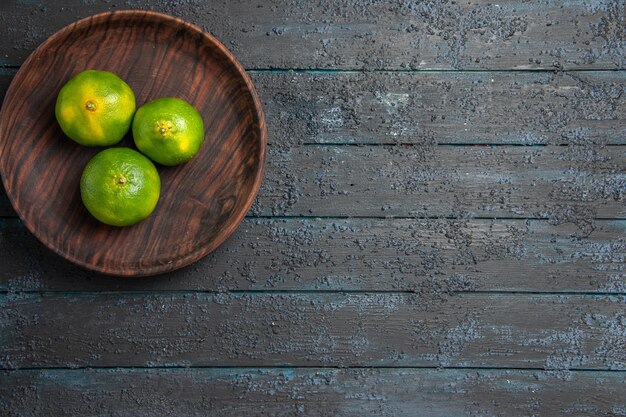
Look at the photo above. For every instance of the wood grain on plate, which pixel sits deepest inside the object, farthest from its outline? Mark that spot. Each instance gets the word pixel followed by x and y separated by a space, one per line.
pixel 201 202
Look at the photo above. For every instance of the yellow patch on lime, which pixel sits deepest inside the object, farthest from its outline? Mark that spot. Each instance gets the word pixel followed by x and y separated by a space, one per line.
pixel 95 108
pixel 168 130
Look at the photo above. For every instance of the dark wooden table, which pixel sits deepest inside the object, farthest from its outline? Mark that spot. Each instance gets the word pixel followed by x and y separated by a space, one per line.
pixel 440 232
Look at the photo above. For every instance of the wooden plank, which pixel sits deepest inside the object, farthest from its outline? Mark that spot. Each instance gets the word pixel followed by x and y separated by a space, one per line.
pixel 311 392
pixel 564 184
pixel 475 34
pixel 560 183
pixel 428 328
pixel 360 254
pixel 461 108
pixel 573 183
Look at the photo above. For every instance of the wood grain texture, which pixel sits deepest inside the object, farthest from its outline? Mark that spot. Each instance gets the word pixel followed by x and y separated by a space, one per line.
pixel 561 183
pixel 427 328
pixel 578 108
pixel 312 392
pixel 201 202
pixel 437 34
pixel 360 255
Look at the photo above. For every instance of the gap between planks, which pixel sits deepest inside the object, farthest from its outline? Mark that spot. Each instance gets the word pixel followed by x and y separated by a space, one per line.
pixel 425 71
pixel 404 71
pixel 391 217
pixel 504 293
pixel 320 367
pixel 447 144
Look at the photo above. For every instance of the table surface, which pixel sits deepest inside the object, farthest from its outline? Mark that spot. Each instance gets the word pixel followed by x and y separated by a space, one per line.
pixel 440 230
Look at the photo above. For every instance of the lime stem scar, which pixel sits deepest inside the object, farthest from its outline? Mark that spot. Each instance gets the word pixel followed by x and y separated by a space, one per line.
pixel 164 127
pixel 90 105
pixel 121 181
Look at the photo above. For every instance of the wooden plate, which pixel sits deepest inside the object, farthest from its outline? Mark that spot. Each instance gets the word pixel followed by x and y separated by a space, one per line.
pixel 201 203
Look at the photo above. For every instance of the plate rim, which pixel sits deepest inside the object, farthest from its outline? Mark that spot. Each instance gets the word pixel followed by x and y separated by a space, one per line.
pixel 193 256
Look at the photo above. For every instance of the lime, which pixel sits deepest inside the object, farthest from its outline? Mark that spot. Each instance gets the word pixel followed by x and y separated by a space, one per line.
pixel 95 108
pixel 120 186
pixel 168 130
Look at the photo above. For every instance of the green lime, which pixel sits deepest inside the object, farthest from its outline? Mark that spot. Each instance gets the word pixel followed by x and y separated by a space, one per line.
pixel 95 108
pixel 168 130
pixel 120 186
